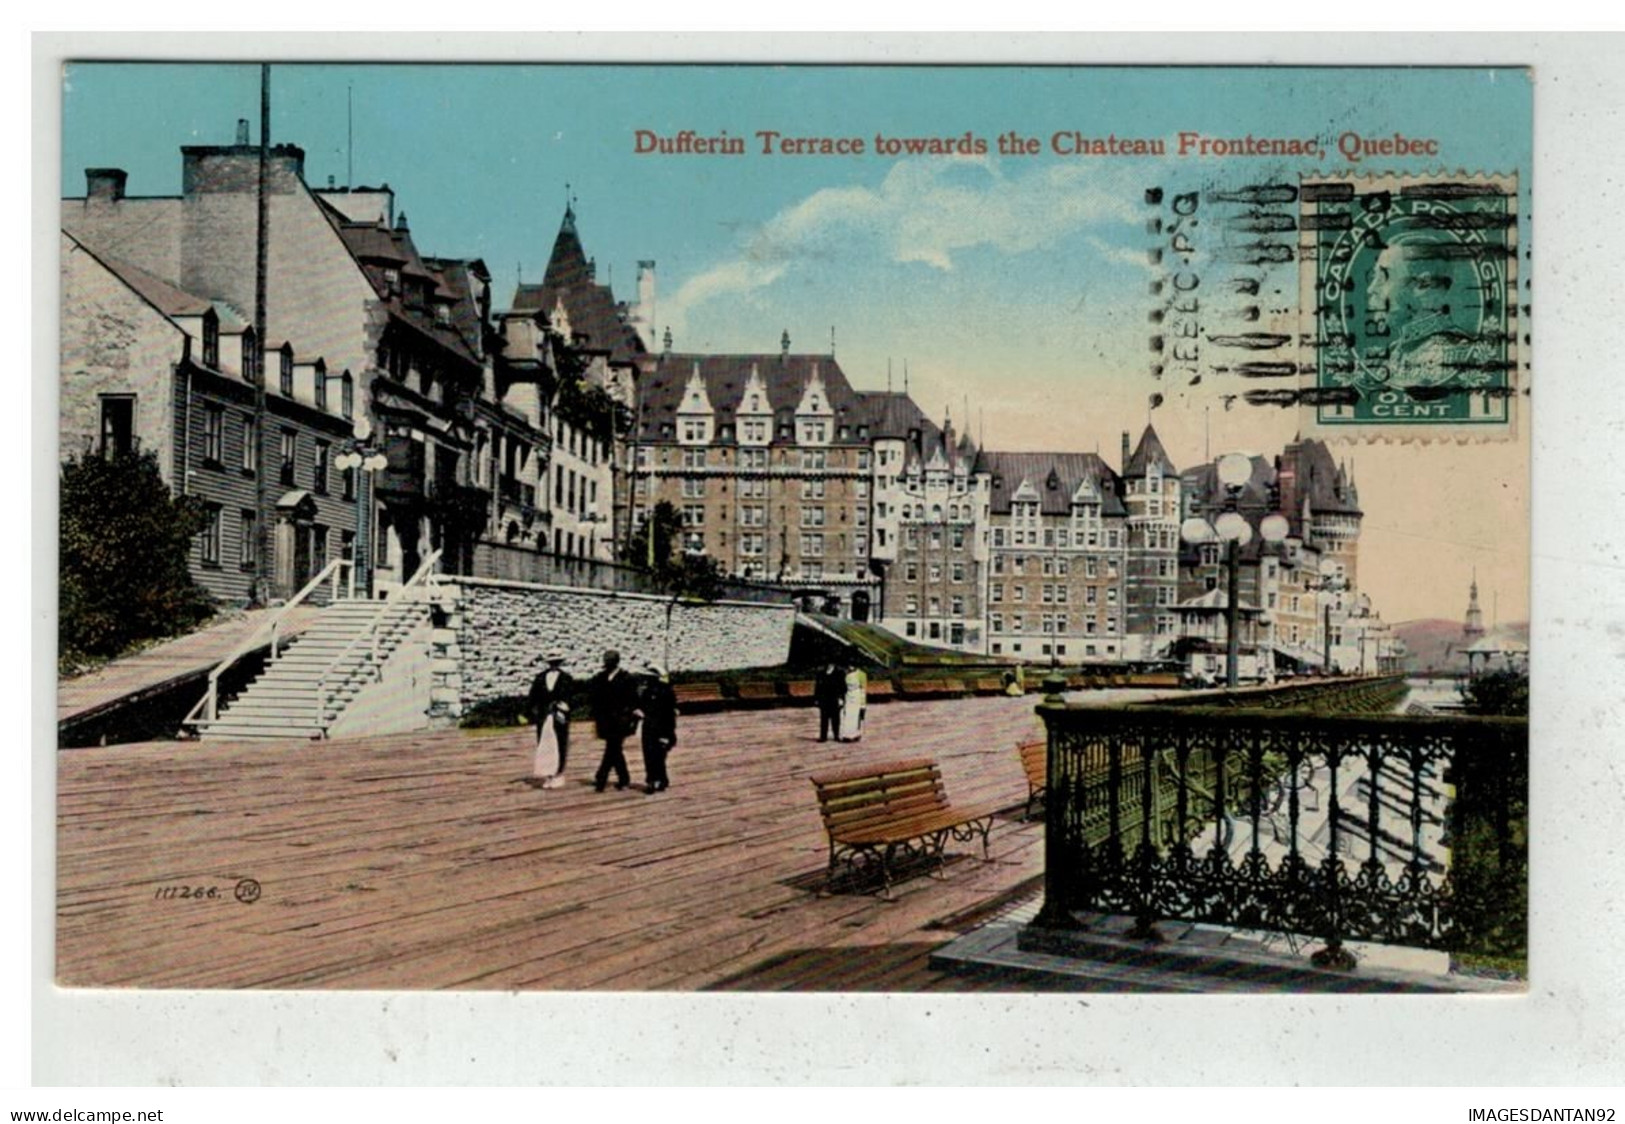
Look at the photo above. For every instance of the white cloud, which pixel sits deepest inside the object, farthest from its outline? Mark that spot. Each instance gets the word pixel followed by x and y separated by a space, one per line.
pixel 924 211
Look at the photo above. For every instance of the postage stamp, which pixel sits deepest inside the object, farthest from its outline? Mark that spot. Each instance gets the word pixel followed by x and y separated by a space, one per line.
pixel 1410 288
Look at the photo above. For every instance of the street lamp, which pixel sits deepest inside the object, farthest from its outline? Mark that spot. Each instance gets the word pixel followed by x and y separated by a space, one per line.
pixel 592 518
pixel 1232 529
pixel 361 454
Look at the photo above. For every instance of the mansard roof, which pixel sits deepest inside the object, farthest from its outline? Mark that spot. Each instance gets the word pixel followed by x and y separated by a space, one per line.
pixel 784 377
pixel 1066 471
pixel 1322 480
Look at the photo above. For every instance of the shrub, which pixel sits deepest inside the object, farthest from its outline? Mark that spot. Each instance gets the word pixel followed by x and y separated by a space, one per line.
pixel 124 544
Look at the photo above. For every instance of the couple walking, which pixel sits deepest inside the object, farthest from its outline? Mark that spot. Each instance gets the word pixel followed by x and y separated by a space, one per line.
pixel 842 697
pixel 621 702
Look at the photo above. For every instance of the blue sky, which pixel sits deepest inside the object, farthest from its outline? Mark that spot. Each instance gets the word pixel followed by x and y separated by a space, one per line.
pixel 1016 283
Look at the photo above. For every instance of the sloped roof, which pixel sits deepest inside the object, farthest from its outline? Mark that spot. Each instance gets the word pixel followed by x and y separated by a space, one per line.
pixel 166 298
pixel 1148 452
pixel 591 307
pixel 1321 479
pixel 1066 471
pixel 376 248
pixel 454 287
pixel 784 377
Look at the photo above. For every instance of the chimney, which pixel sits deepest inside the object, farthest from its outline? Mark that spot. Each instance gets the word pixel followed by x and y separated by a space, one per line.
pixel 1123 464
pixel 646 287
pixel 400 222
pixel 105 184
pixel 242 131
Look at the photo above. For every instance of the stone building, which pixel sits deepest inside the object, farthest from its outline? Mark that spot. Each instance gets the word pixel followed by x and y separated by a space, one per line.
pixel 396 338
pixel 929 539
pixel 1058 580
pixel 768 458
pixel 147 366
pixel 601 357
pixel 1151 500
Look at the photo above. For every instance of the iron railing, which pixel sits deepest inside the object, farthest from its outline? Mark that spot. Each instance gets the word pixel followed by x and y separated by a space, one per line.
pixel 503 562
pixel 1375 827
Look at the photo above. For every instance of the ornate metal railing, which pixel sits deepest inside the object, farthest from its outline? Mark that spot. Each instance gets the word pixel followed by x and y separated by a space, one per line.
pixel 1386 828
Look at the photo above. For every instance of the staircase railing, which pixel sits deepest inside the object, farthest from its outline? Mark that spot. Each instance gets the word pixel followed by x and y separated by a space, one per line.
pixel 424 577
pixel 208 707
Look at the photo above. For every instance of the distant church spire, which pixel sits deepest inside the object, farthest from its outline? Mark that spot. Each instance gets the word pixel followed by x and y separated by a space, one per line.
pixel 1473 628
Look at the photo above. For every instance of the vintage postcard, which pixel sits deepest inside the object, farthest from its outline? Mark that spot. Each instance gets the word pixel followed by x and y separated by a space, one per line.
pixel 832 528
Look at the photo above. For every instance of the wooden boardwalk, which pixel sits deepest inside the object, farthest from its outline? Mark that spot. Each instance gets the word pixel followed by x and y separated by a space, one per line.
pixel 422 861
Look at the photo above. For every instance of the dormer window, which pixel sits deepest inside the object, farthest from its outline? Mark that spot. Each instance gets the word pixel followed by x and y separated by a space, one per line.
pixel 285 372
pixel 392 281
pixel 442 314
pixel 211 340
pixel 347 394
pixel 321 384
pixel 252 371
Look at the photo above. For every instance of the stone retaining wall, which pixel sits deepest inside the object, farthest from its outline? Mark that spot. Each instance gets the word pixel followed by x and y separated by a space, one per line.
pixel 490 636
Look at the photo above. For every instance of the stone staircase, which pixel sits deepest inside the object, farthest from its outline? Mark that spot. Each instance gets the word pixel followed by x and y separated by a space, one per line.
pixel 334 657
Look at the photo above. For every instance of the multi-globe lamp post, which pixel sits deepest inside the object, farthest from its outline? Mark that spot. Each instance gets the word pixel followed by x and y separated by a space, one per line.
pixel 365 458
pixel 1232 529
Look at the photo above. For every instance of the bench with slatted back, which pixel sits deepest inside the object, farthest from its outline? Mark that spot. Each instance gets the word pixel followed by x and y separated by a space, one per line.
pixel 877 813
pixel 1035 763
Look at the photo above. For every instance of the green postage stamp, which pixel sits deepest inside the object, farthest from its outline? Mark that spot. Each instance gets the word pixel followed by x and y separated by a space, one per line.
pixel 1410 291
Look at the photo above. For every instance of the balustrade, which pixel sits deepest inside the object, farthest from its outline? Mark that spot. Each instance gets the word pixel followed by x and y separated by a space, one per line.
pixel 1279 815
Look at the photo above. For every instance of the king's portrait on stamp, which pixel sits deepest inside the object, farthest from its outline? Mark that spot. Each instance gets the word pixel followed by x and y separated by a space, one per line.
pixel 793 528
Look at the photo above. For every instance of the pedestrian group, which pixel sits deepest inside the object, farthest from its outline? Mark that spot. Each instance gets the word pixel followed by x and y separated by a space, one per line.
pixel 621 704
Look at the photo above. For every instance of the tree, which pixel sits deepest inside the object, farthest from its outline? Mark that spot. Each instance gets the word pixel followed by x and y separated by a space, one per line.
pixel 124 543
pixel 673 570
pixel 1498 692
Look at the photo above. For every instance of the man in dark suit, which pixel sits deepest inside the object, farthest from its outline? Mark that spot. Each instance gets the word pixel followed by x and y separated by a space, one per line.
pixel 829 689
pixel 659 728
pixel 615 712
pixel 550 702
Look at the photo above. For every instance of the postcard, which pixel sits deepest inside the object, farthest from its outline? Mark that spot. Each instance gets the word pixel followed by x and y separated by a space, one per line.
pixel 793 528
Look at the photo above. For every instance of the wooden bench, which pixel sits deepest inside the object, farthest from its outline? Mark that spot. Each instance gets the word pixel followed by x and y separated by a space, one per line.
pixel 801 688
pixel 876 813
pixel 697 696
pixel 1035 763
pixel 879 688
pixel 758 692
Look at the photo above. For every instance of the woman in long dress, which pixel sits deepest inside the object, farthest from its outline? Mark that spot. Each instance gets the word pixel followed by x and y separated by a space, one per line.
pixel 546 766
pixel 854 705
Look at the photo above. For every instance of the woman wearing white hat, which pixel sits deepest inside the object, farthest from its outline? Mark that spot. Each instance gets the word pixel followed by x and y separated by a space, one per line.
pixel 549 710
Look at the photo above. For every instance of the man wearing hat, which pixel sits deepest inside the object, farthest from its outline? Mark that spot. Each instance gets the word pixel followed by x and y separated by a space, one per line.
pixel 549 710
pixel 615 711
pixel 659 727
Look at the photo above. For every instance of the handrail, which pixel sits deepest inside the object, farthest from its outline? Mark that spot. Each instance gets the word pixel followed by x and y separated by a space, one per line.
pixel 209 704
pixel 425 575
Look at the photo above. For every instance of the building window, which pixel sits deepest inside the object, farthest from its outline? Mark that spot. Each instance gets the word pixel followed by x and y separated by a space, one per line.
pixel 812 546
pixel 211 340
pixel 251 430
pixel 693 487
pixel 249 543
pixel 290 446
pixel 118 424
pixel 319 486
pixel 694 515
pixel 214 436
pixel 210 539
pixel 318 546
pixel 812 517
pixel 285 373
pixel 812 489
